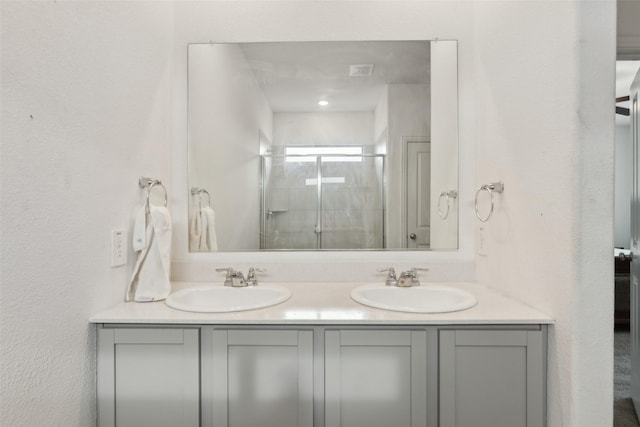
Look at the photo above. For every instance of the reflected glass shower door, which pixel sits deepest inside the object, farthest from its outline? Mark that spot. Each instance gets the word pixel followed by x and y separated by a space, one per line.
pixel 352 202
pixel 289 203
pixel 322 202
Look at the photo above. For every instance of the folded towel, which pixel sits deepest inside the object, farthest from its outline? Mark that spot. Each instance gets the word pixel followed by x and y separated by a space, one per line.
pixel 202 232
pixel 151 275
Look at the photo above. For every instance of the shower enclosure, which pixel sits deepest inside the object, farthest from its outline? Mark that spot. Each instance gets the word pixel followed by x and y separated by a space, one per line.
pixel 328 201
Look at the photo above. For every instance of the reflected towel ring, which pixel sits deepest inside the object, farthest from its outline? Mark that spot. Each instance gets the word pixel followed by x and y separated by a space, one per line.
pixel 448 195
pixel 497 187
pixel 199 192
pixel 208 197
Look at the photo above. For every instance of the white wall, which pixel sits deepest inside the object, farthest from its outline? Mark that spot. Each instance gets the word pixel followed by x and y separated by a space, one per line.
pixel 545 126
pixel 381 122
pixel 85 112
pixel 349 128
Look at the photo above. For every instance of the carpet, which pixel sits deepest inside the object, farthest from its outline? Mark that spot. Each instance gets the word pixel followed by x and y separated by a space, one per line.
pixel 623 412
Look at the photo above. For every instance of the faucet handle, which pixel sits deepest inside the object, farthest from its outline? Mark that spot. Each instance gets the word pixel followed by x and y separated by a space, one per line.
pixel 252 280
pixel 234 278
pixel 392 280
pixel 230 271
pixel 410 277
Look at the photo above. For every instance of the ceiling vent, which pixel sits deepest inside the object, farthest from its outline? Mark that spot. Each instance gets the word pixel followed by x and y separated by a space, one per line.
pixel 361 70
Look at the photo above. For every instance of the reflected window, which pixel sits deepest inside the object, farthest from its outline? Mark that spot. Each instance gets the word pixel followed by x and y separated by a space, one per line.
pixel 329 153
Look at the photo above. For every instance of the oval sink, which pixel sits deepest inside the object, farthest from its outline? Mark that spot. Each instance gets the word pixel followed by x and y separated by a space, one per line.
pixel 415 299
pixel 220 299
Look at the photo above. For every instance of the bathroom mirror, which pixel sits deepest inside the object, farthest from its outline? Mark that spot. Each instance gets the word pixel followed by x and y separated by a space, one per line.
pixel 323 146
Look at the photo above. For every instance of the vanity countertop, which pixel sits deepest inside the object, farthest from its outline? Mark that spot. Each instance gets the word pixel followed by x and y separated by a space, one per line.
pixel 317 303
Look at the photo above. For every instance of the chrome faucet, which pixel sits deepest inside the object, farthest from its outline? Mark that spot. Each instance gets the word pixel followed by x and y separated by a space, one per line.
pixel 234 278
pixel 252 280
pixel 410 277
pixel 392 280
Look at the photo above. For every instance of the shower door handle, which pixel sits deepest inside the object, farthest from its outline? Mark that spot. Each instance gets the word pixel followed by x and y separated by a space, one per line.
pixel 413 236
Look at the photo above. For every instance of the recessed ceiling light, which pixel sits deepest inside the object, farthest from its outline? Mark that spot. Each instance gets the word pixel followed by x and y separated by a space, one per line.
pixel 323 103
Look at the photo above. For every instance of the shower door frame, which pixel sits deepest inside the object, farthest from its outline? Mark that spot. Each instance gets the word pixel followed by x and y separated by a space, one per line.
pixel 318 227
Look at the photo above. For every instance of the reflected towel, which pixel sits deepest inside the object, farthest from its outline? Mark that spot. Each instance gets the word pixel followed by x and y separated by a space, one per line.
pixel 211 239
pixel 151 275
pixel 202 232
pixel 195 231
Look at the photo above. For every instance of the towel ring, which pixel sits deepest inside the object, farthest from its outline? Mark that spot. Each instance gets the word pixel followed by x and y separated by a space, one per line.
pixel 149 183
pixel 497 187
pixel 448 195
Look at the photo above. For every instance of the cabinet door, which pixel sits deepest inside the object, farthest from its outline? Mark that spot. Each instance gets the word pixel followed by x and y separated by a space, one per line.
pixel 375 378
pixel 257 378
pixel 492 378
pixel 148 377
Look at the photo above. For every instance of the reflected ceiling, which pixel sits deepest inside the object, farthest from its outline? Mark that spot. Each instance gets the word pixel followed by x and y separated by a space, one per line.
pixel 295 76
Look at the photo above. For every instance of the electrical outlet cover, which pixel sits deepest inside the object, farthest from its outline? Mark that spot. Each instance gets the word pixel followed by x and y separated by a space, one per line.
pixel 118 248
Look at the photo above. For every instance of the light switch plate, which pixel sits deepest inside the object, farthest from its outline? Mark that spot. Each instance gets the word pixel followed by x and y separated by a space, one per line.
pixel 118 248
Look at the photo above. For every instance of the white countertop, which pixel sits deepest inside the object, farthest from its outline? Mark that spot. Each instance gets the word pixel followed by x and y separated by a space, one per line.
pixel 319 303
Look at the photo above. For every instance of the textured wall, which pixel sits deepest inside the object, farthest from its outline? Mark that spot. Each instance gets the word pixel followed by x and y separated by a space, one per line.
pixel 545 126
pixel 85 112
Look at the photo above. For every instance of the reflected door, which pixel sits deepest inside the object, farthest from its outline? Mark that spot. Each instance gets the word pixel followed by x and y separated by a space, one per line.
pixel 418 194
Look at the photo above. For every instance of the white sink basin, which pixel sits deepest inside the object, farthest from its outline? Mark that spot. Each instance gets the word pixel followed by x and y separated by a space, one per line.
pixel 220 299
pixel 415 299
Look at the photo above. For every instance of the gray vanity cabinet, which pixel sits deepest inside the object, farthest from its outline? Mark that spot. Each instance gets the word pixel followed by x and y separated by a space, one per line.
pixel 322 376
pixel 375 378
pixel 492 378
pixel 257 378
pixel 148 377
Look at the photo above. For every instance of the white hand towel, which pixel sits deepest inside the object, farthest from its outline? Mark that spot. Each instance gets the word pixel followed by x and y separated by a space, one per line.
pixel 195 231
pixel 202 231
pixel 151 275
pixel 212 241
